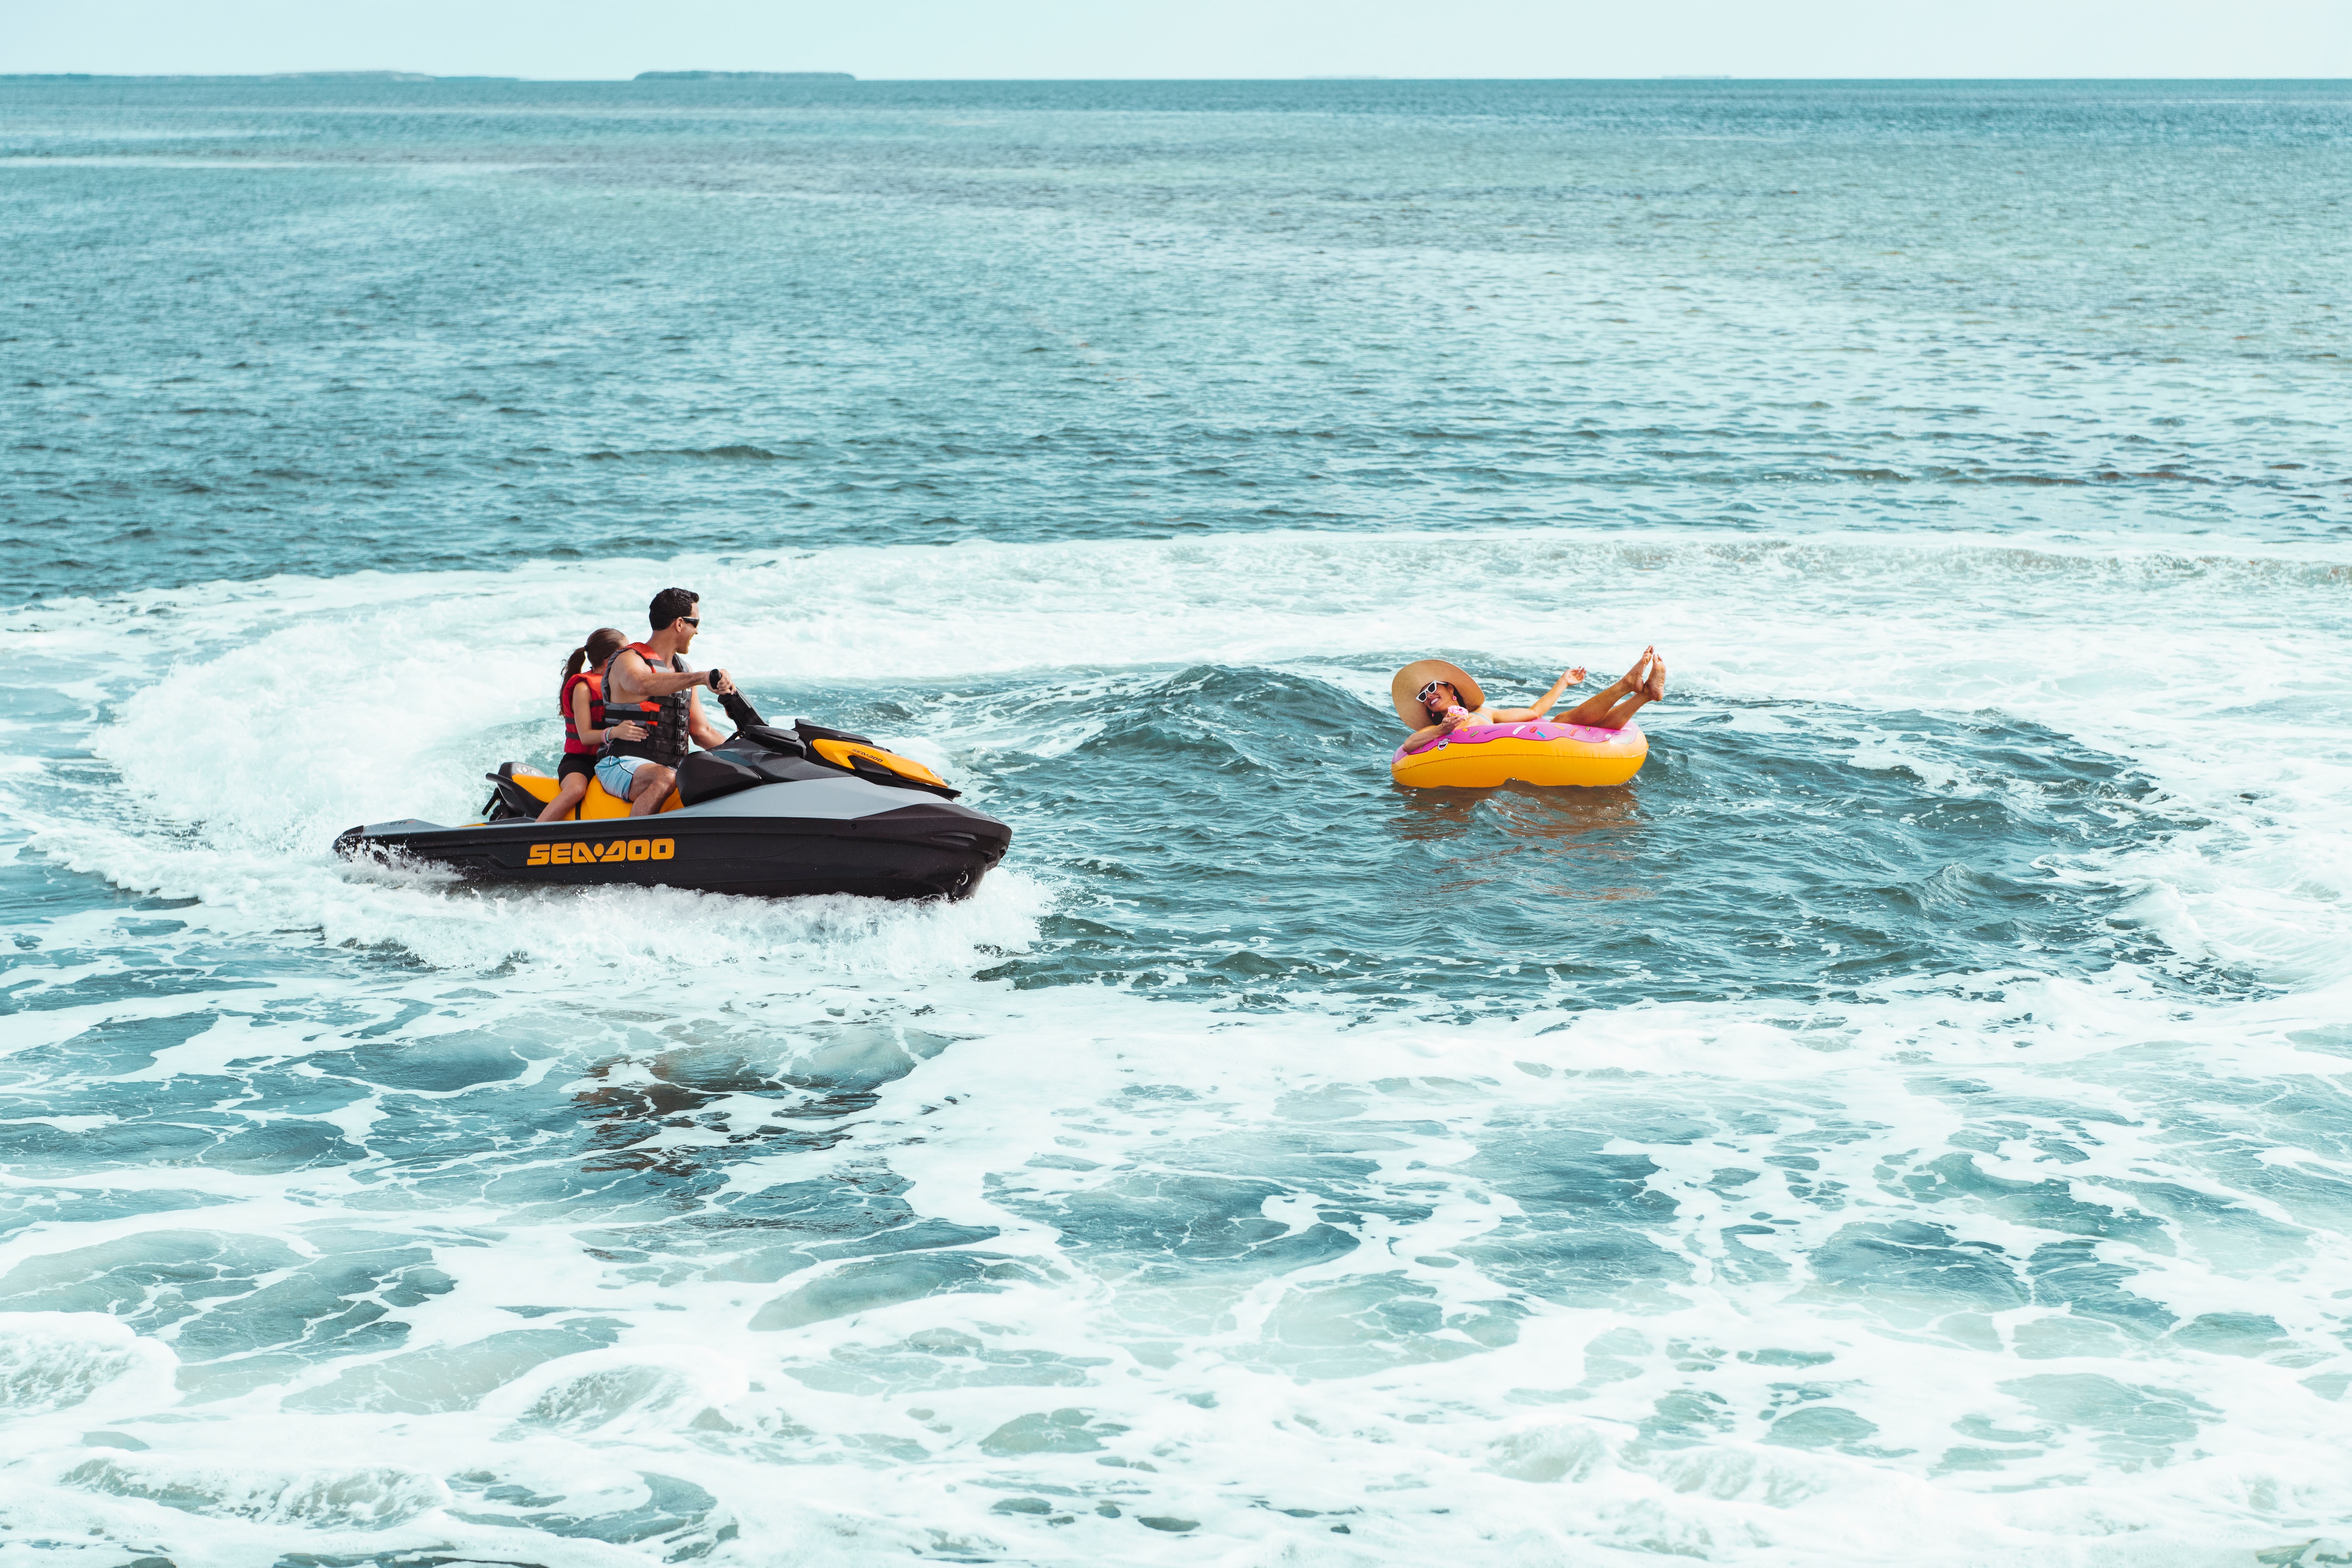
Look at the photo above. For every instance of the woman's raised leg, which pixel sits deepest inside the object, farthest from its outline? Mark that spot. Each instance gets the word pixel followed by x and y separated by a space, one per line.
pixel 1652 687
pixel 1594 710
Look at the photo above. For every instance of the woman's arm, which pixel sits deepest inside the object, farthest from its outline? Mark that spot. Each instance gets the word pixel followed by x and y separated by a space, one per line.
pixel 1445 726
pixel 1550 700
pixel 627 730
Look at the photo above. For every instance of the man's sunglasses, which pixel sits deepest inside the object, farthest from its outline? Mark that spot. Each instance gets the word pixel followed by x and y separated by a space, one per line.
pixel 694 621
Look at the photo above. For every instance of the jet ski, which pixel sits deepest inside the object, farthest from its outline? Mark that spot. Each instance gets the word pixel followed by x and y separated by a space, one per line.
pixel 771 813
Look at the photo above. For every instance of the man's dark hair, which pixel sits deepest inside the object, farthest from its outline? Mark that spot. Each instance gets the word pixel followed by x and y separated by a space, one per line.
pixel 672 603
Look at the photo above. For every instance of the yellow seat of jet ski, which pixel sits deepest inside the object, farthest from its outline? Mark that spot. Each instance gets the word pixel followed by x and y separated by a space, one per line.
pixel 597 803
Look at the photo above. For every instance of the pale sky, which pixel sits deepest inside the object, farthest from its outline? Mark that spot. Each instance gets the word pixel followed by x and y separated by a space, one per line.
pixel 1106 39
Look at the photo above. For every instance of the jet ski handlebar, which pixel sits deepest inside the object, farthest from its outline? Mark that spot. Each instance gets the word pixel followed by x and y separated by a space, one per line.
pixel 838 748
pixel 738 706
pixel 750 725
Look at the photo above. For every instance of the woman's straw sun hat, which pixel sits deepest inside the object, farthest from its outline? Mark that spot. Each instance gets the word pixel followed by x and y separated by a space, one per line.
pixel 1404 690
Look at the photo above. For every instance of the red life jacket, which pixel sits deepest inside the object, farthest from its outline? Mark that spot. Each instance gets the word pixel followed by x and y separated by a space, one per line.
pixel 573 746
pixel 664 718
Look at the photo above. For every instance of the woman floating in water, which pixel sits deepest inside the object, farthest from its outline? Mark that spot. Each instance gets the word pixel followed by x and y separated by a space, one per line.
pixel 1436 697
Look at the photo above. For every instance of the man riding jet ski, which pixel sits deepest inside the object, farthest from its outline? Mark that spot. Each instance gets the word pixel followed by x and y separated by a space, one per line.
pixel 766 811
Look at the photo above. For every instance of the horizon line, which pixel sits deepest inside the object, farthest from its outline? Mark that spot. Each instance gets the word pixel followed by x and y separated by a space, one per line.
pixel 395 77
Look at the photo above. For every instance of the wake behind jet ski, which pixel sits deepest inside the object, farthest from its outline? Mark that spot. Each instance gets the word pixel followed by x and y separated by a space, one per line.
pixel 771 813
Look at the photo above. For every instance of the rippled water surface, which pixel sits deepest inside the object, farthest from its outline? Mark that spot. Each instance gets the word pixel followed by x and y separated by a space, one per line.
pixel 1909 1121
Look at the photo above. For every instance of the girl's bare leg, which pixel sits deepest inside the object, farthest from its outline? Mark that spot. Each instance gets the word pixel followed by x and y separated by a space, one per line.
pixel 1595 709
pixel 568 796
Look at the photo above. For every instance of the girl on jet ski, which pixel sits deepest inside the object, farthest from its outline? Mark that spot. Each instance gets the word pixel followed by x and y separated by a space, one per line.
pixel 583 689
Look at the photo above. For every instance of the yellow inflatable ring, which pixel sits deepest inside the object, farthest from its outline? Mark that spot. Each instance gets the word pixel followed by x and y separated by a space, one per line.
pixel 1480 757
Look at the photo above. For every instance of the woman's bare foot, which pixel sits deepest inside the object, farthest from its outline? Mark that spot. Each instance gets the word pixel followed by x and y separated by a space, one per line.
pixel 1635 678
pixel 1655 686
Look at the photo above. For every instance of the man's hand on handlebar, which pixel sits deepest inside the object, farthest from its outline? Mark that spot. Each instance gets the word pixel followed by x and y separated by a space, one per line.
pixel 721 684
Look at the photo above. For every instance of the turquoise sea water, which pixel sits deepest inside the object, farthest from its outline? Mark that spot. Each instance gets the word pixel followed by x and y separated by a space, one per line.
pixel 1910 1122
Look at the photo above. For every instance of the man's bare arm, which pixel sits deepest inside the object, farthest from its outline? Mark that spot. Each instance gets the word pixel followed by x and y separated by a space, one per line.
pixel 638 681
pixel 699 725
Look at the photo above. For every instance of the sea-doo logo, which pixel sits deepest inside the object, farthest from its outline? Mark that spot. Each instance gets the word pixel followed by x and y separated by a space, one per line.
pixel 605 854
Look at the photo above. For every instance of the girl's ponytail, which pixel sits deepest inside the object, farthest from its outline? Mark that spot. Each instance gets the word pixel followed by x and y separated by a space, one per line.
pixel 572 666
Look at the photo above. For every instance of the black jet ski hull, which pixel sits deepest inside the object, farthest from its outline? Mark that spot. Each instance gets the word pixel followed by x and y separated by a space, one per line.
pixel 928 850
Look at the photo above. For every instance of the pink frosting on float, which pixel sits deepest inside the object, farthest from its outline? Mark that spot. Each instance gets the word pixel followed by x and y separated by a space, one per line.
pixel 1472 734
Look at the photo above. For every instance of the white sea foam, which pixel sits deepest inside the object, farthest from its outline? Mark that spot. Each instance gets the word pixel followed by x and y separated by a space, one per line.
pixel 1247 1393
pixel 862 1404
pixel 2218 676
pixel 52 1361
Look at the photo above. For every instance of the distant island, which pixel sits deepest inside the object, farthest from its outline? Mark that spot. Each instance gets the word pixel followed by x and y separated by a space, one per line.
pixel 743 76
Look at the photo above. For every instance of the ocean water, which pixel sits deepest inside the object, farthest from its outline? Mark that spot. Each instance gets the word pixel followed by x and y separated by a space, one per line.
pixel 1911 1122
